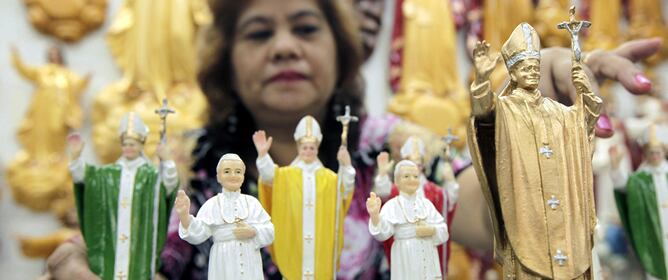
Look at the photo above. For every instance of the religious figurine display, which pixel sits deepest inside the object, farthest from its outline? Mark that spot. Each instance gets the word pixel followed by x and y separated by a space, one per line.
pixel 443 198
pixel 302 199
pixel 67 20
pixel 533 159
pixel 38 175
pixel 124 207
pixel 239 225
pixel 642 201
pixel 415 224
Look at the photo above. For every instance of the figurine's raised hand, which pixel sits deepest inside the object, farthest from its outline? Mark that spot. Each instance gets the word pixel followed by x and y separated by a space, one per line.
pixel 615 157
pixel 163 152
pixel 384 163
pixel 182 208
pixel 343 156
pixel 262 144
pixel 75 144
pixel 483 62
pixel 424 231
pixel 448 172
pixel 244 231
pixel 373 207
pixel 580 79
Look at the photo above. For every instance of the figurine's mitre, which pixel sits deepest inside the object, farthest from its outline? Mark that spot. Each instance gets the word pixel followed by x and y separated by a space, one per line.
pixel 523 43
pixel 132 126
pixel 651 140
pixel 308 130
pixel 412 148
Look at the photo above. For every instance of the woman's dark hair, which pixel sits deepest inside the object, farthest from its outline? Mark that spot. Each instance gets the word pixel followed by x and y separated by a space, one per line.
pixel 231 125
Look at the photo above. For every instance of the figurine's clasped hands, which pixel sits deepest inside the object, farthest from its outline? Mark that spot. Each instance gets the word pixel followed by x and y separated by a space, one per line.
pixel 244 231
pixel 424 231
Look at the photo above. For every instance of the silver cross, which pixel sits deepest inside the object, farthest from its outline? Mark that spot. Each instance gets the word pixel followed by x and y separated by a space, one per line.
pixel 560 258
pixel 574 27
pixel 553 202
pixel 546 151
pixel 448 139
pixel 163 112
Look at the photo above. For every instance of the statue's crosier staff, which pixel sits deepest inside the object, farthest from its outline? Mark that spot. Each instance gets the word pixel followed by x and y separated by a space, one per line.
pixel 345 121
pixel 162 112
pixel 448 139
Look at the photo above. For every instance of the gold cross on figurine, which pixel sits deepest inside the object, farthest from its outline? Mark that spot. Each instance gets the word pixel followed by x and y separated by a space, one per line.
pixel 124 203
pixel 121 275
pixel 123 238
pixel 345 121
pixel 309 204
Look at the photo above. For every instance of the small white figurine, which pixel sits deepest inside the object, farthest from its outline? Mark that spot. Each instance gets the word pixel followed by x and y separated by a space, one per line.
pixel 414 222
pixel 238 224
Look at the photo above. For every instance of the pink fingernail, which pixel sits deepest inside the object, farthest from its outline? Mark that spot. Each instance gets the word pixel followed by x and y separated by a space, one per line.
pixel 604 123
pixel 643 81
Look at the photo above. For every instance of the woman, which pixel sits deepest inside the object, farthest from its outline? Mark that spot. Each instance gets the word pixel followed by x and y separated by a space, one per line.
pixel 315 57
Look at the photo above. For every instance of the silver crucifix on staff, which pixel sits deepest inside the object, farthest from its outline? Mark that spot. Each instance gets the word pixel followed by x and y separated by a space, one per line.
pixel 163 112
pixel 448 139
pixel 574 27
pixel 345 121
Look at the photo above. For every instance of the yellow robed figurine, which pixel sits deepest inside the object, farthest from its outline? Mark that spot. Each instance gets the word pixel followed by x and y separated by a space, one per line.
pixel 301 199
pixel 533 159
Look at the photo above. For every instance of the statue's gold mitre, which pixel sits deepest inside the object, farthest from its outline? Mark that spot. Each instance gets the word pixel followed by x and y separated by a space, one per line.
pixel 523 43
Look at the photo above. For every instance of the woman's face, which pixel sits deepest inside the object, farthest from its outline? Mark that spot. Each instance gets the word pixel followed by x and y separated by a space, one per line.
pixel 284 58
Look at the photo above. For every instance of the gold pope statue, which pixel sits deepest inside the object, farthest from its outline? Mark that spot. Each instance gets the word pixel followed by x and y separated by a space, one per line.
pixel 533 159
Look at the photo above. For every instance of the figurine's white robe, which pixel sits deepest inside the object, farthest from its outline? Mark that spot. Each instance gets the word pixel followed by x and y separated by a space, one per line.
pixel 231 258
pixel 412 257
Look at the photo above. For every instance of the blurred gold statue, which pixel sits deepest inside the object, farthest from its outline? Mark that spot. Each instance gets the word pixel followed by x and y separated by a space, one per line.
pixel 430 91
pixel 646 21
pixel 68 20
pixel 606 33
pixel 154 44
pixel 153 41
pixel 38 175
